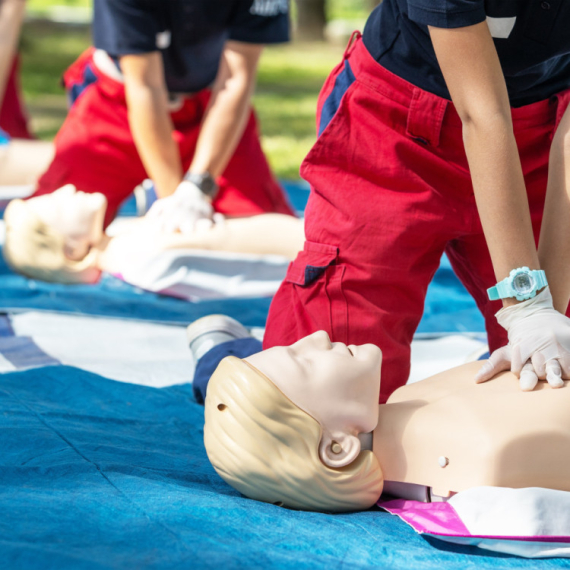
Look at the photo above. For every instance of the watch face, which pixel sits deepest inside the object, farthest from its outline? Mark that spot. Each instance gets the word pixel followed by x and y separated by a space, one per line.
pixel 523 283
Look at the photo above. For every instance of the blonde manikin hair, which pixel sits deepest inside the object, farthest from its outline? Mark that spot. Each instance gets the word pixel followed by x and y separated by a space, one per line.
pixel 36 250
pixel 266 447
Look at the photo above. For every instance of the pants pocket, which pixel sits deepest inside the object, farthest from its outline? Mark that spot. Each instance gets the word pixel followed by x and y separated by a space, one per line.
pixel 318 282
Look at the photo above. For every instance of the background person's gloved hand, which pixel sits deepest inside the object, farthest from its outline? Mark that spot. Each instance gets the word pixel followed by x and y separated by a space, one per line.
pixel 182 210
pixel 539 344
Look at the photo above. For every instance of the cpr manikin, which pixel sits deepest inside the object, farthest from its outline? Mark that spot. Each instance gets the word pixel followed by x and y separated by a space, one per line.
pixel 59 237
pixel 300 426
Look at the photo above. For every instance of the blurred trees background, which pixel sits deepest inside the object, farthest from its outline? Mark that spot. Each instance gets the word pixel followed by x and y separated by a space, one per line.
pixel 312 15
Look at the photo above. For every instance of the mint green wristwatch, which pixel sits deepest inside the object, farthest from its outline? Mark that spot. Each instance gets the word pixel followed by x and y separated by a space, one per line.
pixel 522 283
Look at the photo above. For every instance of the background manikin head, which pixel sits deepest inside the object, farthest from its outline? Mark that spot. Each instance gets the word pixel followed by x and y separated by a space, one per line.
pixel 270 449
pixel 77 216
pixel 50 237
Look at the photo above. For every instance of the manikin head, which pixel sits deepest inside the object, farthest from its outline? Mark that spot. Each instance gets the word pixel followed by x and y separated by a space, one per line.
pixel 282 426
pixel 51 237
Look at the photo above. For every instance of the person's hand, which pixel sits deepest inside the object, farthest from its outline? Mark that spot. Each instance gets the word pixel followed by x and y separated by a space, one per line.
pixel 182 210
pixel 539 344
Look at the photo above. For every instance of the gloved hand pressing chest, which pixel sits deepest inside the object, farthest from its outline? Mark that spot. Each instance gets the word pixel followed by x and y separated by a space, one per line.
pixel 182 210
pixel 539 344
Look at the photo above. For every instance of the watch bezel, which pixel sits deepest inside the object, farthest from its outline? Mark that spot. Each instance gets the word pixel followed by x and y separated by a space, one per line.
pixel 520 295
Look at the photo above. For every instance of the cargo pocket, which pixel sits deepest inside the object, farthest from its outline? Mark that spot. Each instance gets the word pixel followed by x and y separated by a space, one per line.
pixel 318 278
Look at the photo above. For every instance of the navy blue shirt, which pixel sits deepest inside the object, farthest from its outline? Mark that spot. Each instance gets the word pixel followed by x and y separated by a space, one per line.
pixel 189 33
pixel 532 38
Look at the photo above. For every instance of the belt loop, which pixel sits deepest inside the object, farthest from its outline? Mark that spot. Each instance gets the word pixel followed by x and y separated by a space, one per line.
pixel 425 117
pixel 355 35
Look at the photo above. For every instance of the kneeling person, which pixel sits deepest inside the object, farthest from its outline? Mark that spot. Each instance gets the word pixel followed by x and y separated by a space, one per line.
pixel 165 94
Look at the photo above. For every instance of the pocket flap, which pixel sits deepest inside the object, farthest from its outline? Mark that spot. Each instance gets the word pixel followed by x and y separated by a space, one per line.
pixel 311 263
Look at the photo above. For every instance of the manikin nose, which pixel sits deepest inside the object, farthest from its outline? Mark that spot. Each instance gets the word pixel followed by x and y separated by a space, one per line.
pixel 322 340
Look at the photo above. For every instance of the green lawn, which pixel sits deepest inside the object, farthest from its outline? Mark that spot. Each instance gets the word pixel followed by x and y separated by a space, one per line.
pixel 290 78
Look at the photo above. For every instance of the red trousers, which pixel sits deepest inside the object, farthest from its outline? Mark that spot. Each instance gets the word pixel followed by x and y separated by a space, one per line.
pixel 95 151
pixel 13 119
pixel 390 193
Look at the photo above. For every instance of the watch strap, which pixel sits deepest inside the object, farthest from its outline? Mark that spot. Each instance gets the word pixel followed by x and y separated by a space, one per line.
pixel 540 277
pixel 493 293
pixel 503 289
pixel 204 181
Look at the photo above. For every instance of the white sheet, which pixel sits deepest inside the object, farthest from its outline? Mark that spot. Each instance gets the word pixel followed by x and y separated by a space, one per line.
pixel 128 351
pixel 196 274
pixel 500 512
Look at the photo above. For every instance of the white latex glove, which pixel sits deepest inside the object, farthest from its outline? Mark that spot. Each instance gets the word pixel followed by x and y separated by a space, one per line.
pixel 539 344
pixel 182 210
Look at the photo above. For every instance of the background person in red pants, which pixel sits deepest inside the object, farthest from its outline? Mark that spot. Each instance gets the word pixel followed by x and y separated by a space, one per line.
pixel 444 129
pixel 13 120
pixel 166 94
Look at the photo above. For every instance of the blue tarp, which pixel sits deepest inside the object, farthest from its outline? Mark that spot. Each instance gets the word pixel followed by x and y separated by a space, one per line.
pixel 99 474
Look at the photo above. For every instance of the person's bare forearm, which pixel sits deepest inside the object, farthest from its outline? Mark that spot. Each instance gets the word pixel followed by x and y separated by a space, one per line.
pixel 152 128
pixel 553 250
pixel 479 93
pixel 500 193
pixel 222 129
pixel 228 111
pixel 11 18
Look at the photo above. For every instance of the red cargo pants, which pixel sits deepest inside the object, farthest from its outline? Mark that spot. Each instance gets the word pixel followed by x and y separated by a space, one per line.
pixel 390 192
pixel 95 151
pixel 13 117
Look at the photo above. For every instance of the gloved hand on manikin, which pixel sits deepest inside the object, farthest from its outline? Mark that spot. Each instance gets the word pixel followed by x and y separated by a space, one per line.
pixel 182 210
pixel 539 344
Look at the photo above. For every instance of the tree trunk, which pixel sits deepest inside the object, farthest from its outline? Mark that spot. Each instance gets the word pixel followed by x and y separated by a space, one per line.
pixel 311 19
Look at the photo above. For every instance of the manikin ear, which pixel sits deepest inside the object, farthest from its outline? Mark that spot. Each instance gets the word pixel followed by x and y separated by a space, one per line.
pixel 338 450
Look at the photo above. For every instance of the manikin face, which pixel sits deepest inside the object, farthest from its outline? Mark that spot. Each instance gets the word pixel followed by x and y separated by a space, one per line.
pixel 338 386
pixel 77 216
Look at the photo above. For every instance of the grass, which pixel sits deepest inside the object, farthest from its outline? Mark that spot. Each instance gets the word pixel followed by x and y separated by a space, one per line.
pixel 289 81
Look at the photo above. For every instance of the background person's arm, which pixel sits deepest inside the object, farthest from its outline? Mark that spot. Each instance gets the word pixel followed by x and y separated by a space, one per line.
pixel 11 19
pixel 228 111
pixel 472 71
pixel 149 120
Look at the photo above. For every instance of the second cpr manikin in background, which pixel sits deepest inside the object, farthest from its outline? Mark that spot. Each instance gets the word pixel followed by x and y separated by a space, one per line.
pixel 59 237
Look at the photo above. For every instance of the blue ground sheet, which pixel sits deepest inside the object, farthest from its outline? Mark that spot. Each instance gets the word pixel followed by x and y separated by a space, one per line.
pixel 99 474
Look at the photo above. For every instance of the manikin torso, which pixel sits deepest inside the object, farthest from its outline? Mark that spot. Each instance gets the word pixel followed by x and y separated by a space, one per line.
pixel 433 438
pixel 449 434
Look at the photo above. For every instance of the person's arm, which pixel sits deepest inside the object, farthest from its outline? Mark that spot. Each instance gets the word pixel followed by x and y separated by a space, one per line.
pixel 472 71
pixel 222 128
pixel 553 250
pixel 229 108
pixel 11 19
pixel 539 336
pixel 149 120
